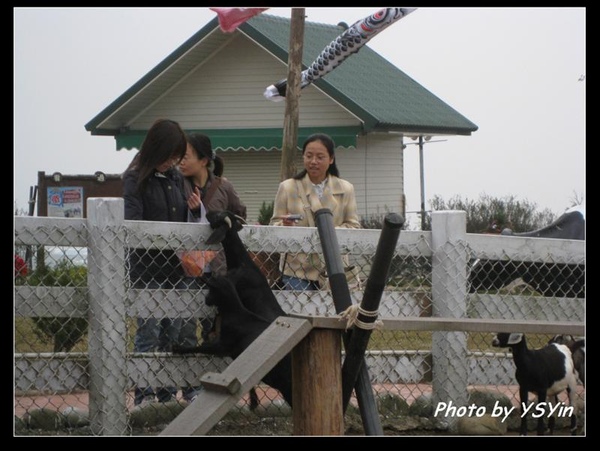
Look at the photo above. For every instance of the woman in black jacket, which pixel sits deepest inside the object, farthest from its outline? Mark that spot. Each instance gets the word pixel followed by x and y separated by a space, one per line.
pixel 153 191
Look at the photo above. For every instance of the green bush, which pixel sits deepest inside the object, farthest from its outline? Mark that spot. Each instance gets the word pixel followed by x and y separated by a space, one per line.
pixel 505 212
pixel 265 213
pixel 64 333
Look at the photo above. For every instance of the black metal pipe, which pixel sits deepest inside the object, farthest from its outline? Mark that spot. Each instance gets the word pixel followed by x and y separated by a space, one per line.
pixel 333 260
pixel 342 300
pixel 367 314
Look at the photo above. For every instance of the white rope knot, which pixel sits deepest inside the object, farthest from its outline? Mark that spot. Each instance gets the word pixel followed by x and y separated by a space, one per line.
pixel 351 317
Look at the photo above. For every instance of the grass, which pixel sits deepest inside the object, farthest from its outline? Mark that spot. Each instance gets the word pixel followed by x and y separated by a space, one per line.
pixel 418 340
pixel 26 339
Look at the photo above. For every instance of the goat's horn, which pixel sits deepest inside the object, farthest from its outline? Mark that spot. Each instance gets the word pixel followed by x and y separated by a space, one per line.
pixel 242 220
pixel 227 219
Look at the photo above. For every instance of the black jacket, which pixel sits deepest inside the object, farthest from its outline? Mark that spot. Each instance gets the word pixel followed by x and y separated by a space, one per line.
pixel 161 200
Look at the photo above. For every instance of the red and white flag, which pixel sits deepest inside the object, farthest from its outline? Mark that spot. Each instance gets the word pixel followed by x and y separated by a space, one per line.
pixel 231 18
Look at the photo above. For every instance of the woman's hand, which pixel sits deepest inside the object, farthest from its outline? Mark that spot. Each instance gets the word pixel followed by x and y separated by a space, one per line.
pixel 291 220
pixel 194 199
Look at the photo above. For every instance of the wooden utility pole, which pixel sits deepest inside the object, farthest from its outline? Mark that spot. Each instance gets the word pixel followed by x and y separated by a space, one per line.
pixel 292 96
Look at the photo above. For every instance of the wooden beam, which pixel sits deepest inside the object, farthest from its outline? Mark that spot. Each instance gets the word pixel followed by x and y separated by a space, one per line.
pixel 221 383
pixel 248 369
pixel 460 324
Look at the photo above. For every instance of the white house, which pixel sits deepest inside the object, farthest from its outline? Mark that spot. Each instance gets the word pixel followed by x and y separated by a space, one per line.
pixel 214 83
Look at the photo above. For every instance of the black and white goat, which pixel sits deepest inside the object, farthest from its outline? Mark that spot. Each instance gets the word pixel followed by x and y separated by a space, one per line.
pixel 577 347
pixel 245 302
pixel 545 372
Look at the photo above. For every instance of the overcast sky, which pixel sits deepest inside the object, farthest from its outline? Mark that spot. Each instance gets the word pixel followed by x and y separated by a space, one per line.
pixel 517 73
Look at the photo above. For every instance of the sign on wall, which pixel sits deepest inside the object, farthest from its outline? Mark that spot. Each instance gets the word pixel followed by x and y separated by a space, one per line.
pixel 65 202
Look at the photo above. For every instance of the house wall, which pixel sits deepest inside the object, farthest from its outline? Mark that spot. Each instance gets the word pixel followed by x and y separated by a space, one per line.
pixel 376 169
pixel 255 176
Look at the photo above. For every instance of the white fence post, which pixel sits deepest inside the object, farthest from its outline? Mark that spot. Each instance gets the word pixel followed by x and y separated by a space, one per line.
pixel 107 313
pixel 449 299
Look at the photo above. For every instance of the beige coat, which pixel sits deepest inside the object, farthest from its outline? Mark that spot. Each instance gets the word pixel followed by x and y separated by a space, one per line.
pixel 299 197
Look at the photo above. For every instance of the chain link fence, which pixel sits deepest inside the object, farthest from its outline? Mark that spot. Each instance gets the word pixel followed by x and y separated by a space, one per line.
pixel 77 311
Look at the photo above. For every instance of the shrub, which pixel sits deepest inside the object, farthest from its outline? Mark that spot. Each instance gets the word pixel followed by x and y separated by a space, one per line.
pixel 506 212
pixel 64 333
pixel 265 213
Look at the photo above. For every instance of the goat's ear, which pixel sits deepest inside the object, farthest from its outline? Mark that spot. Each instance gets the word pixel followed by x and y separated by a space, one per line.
pixel 514 338
pixel 218 235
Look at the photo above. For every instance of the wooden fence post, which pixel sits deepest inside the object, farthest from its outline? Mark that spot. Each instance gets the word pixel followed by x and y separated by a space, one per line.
pixel 342 300
pixel 317 384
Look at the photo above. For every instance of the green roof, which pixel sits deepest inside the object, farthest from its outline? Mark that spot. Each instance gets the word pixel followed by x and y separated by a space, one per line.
pixel 382 96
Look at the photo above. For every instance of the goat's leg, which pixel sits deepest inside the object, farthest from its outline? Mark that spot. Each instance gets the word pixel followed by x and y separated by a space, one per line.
pixel 571 393
pixel 254 401
pixel 541 399
pixel 552 419
pixel 524 397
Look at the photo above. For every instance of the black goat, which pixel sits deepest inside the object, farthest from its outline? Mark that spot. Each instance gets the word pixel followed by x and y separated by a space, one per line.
pixel 545 372
pixel 239 328
pixel 251 284
pixel 245 302
pixel 577 347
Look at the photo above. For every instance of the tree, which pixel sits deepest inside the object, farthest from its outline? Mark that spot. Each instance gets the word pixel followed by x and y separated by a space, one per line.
pixel 577 199
pixel 491 214
pixel 19 211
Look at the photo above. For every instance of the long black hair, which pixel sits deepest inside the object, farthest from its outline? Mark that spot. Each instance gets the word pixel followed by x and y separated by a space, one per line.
pixel 165 139
pixel 203 148
pixel 329 144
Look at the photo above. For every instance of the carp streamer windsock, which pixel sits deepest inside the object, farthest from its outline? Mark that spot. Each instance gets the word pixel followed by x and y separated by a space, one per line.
pixel 349 42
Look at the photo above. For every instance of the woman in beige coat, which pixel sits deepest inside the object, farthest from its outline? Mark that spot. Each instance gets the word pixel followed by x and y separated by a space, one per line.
pixel 317 186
